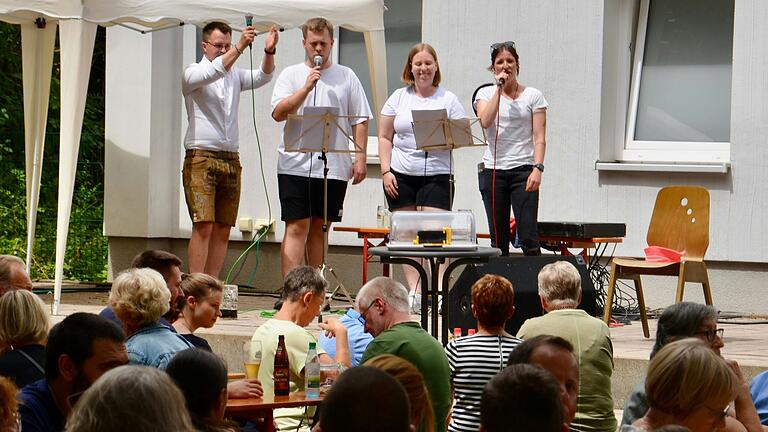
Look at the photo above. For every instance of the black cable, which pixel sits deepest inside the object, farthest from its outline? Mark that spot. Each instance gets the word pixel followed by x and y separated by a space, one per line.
pixel 257 238
pixel 450 179
pixel 493 177
pixel 309 180
pixel 424 178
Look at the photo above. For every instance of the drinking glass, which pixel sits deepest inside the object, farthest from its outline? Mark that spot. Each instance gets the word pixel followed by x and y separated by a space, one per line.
pixel 328 375
pixel 252 351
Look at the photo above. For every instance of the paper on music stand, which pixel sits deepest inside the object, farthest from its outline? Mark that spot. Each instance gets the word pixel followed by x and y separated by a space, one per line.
pixel 434 130
pixel 428 128
pixel 461 132
pixel 317 126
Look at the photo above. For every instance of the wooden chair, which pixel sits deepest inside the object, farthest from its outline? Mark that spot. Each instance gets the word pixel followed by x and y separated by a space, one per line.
pixel 680 221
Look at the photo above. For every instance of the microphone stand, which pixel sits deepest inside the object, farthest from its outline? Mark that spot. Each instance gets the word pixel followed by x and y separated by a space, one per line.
pixel 325 268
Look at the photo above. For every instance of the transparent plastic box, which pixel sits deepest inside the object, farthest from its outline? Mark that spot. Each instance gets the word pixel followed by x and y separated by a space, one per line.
pixel 421 229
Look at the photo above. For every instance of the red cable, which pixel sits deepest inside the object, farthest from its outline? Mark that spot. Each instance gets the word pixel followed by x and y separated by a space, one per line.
pixel 493 175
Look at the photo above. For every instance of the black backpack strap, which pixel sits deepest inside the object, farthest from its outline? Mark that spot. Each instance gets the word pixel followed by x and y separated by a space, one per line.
pixel 31 360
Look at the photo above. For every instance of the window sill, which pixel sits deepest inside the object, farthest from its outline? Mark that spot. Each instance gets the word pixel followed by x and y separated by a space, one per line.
pixel 716 168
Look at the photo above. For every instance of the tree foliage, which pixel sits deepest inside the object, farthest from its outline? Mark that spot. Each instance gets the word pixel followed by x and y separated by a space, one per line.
pixel 86 255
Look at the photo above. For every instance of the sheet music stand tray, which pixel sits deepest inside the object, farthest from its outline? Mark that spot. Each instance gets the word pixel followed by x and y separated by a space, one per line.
pixel 433 130
pixel 320 125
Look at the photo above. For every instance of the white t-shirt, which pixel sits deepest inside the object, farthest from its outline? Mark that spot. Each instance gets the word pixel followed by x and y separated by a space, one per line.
pixel 515 145
pixel 212 97
pixel 406 159
pixel 338 87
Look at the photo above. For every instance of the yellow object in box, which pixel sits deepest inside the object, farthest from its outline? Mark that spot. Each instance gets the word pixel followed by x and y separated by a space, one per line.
pixel 433 238
pixel 414 230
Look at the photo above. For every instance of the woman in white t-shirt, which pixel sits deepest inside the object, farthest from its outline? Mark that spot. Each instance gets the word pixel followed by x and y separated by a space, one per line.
pixel 414 179
pixel 514 117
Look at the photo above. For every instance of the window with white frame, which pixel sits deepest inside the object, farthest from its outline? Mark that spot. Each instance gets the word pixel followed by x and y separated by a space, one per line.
pixel 680 96
pixel 402 30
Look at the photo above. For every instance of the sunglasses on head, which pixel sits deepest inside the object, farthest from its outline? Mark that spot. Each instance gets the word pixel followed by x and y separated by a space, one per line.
pixel 499 45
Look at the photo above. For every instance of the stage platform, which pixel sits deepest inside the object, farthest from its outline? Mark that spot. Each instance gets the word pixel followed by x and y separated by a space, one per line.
pixel 744 342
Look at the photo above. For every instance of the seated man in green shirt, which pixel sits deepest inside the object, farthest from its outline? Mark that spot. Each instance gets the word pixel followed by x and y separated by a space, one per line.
pixel 383 304
pixel 560 293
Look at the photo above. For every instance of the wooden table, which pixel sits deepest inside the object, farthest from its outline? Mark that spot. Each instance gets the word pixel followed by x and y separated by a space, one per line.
pixel 254 408
pixel 366 234
pixel 562 244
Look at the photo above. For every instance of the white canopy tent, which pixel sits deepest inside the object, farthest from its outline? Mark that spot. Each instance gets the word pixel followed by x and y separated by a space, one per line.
pixel 77 21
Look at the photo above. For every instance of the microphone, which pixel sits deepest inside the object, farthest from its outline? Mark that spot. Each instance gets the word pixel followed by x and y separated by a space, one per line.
pixel 318 59
pixel 248 23
pixel 501 82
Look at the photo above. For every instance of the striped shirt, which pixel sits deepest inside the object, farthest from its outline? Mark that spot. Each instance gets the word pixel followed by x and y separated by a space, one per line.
pixel 473 361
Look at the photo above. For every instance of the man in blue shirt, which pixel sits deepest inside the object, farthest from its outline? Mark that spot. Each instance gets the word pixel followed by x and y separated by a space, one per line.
pixel 759 390
pixel 80 349
pixel 356 335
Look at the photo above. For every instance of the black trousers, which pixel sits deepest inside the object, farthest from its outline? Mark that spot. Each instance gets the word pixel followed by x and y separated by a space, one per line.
pixel 510 193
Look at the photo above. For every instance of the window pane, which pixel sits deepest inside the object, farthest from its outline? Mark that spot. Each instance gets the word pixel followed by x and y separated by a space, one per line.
pixel 402 24
pixel 685 89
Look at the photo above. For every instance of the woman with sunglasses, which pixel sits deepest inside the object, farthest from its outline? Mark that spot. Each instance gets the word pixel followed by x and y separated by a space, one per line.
pixel 414 179
pixel 688 385
pixel 694 320
pixel 514 117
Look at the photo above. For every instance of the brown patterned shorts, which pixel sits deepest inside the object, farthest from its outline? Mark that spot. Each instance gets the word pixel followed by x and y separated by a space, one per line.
pixel 212 185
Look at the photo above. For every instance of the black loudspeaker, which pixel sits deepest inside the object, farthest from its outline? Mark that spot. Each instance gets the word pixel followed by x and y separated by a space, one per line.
pixel 523 272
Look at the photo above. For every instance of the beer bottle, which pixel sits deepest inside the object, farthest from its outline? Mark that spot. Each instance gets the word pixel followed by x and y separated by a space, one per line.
pixel 282 370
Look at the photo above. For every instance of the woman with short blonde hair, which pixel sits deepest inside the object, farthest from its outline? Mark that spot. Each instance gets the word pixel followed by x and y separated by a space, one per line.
pixel 128 399
pixel 23 330
pixel 422 415
pixel 139 297
pixel 689 385
pixel 23 319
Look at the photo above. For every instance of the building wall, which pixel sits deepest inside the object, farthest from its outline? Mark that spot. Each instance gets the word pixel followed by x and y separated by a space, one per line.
pixel 575 52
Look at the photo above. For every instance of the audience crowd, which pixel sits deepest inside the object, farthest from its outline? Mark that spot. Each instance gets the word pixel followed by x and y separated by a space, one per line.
pixel 140 367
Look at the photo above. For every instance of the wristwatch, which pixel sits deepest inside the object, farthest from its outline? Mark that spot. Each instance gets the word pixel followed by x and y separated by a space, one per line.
pixel 539 166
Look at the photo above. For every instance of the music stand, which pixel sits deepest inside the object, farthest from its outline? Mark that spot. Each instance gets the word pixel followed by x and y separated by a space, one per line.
pixel 433 130
pixel 318 130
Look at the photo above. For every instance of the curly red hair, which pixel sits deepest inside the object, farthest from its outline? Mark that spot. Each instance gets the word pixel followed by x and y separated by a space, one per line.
pixel 9 408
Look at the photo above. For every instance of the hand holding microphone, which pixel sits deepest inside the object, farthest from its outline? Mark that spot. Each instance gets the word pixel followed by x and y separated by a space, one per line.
pixel 501 78
pixel 246 38
pixel 314 74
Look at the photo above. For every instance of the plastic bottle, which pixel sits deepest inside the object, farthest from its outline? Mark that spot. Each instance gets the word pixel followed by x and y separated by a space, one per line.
pixel 312 373
pixel 282 369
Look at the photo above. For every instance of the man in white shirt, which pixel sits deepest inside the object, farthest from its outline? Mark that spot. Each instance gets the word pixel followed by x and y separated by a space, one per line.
pixel 211 174
pixel 300 175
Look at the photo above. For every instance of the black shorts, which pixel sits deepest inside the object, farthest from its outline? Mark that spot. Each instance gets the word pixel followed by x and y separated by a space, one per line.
pixel 422 191
pixel 302 197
